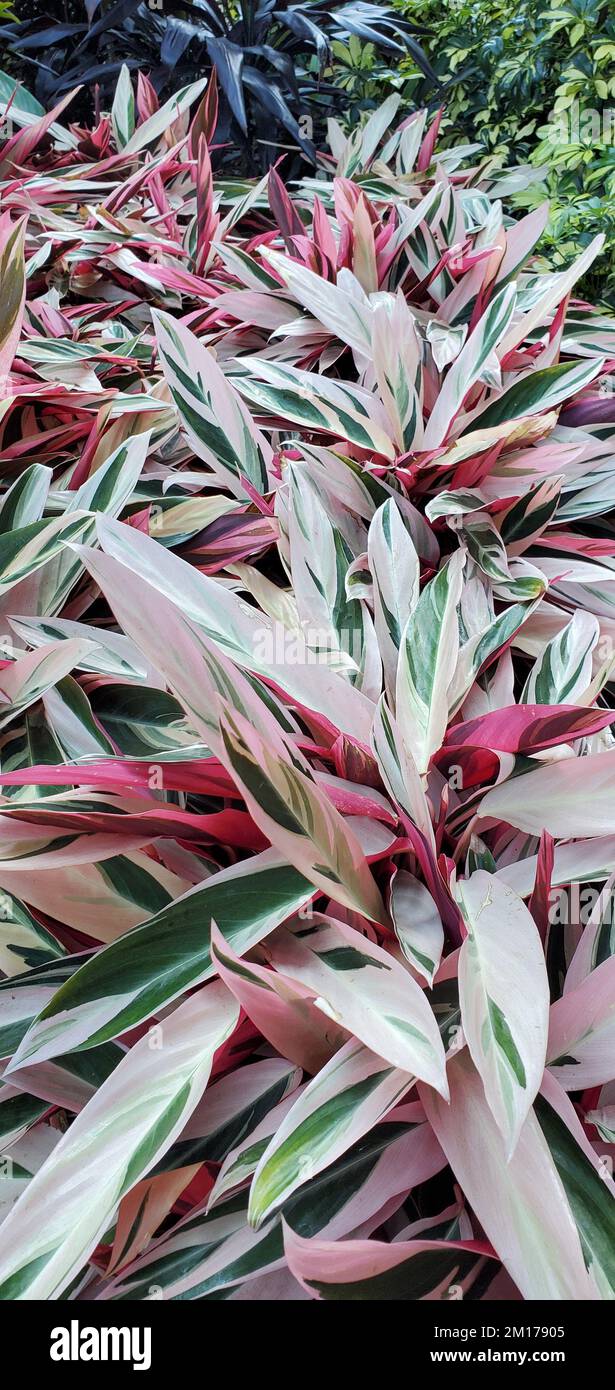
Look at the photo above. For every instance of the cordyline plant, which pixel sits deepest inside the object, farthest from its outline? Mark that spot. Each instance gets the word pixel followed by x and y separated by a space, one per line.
pixel 307 826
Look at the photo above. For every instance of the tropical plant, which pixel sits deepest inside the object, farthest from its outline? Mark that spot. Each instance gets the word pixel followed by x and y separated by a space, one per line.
pixel 306 743
pixel 261 50
pixel 535 81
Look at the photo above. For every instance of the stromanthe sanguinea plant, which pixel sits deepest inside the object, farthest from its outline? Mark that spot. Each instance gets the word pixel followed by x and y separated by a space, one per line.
pixel 307 813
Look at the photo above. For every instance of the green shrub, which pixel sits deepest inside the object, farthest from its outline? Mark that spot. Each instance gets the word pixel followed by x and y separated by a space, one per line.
pixel 536 84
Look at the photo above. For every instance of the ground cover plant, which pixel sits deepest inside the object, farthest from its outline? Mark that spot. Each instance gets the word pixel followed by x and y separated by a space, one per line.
pixel 307 834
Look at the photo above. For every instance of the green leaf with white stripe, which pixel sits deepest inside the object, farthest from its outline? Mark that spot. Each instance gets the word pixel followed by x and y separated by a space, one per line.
pixel 110 653
pixel 69 716
pixel 241 1162
pixel 316 402
pixel 239 1100
pixel 149 967
pixel 23 996
pixel 487 548
pixel 398 769
pixel 212 1254
pixel 18 1112
pixel 107 490
pixel 482 647
pixel 25 550
pixel 539 391
pixel 24 943
pixel 547 301
pixel 25 500
pixel 144 723
pixel 217 424
pixel 588 1186
pixel 395 570
pixel 563 671
pixel 397 367
pixel 343 1102
pixel 31 676
pixel 470 364
pixel 160 122
pixel 320 559
pixel 504 996
pixel 123 109
pixel 13 289
pixel 528 517
pixel 519 1201
pixel 70 1081
pixel 427 662
pixel 597 942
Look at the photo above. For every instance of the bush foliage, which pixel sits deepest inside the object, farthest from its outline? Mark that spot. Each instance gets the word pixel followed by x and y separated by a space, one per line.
pixel 536 81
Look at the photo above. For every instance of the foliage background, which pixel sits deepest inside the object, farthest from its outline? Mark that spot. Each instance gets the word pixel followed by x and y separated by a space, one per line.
pixel 274 61
pixel 508 70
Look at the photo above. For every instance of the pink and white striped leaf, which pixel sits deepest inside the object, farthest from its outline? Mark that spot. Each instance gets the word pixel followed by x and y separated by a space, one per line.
pixel 395 571
pixel 288 805
pixel 282 1009
pixel 12 289
pixel 582 1031
pixel 367 991
pixel 418 924
pixel 570 798
pixel 372 1271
